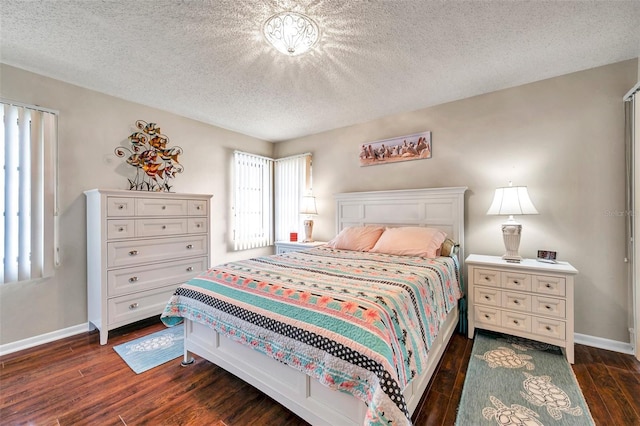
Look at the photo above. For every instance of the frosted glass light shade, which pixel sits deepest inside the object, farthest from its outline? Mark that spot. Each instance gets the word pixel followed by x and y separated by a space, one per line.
pixel 291 33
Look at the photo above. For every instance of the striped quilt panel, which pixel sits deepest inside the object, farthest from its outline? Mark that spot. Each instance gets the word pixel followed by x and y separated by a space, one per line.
pixel 360 323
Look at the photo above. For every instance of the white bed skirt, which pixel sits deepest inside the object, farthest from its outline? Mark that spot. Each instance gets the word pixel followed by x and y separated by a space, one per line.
pixel 297 391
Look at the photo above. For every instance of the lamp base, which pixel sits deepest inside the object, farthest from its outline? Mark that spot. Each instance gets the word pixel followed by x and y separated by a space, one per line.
pixel 511 231
pixel 308 229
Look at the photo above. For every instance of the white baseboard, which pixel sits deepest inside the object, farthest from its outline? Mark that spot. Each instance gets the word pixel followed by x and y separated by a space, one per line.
pixel 43 338
pixel 599 342
pixel 582 339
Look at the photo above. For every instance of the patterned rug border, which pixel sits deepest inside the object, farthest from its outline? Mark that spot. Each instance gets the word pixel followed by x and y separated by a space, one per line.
pixel 514 378
pixel 147 352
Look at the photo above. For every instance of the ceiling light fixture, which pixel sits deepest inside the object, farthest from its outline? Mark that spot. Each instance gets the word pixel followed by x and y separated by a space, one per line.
pixel 291 33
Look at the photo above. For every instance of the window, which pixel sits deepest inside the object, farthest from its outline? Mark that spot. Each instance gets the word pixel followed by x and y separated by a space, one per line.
pixel 292 181
pixel 28 199
pixel 253 185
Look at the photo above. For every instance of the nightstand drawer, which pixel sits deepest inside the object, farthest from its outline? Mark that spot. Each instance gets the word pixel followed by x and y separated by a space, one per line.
pixel 516 321
pixel 554 286
pixel 487 296
pixel 516 281
pixel 486 277
pixel 486 315
pixel 516 301
pixel 549 328
pixel 129 253
pixel 549 306
pixel 133 307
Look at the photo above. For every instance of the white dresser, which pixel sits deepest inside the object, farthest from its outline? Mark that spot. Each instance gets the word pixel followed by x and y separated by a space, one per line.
pixel 530 299
pixel 140 247
pixel 287 246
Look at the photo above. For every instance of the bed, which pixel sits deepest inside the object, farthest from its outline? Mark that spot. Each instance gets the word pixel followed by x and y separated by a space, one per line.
pixel 324 330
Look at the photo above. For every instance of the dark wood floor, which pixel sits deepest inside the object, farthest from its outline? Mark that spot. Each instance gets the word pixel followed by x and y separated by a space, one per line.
pixel 75 381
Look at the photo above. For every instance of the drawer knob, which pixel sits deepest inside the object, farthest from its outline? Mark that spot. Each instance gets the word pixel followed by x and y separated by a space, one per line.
pixel 164 226
pixel 486 278
pixel 516 322
pixel 516 302
pixel 516 282
pixel 198 208
pixel 120 207
pixel 548 307
pixel 189 246
pixel 120 229
pixel 164 207
pixel 133 305
pixel 198 225
pixel 190 268
pixel 486 316
pixel 133 252
pixel 548 328
pixel 548 285
pixel 133 279
pixel 487 297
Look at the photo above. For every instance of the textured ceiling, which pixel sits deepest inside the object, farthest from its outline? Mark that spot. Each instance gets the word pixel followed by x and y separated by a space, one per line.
pixel 207 60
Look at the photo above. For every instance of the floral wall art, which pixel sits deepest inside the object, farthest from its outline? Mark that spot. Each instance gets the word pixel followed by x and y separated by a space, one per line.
pixel 403 148
pixel 154 162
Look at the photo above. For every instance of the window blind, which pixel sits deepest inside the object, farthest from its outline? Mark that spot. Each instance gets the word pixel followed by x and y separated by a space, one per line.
pixel 253 183
pixel 292 181
pixel 28 199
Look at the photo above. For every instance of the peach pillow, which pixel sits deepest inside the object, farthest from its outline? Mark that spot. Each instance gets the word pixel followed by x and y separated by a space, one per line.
pixel 410 241
pixel 357 238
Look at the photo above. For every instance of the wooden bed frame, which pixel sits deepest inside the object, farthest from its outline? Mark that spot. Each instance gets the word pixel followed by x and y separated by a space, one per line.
pixel 441 208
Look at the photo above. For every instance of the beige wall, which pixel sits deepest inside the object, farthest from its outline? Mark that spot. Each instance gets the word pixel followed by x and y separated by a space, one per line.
pixel 91 126
pixel 562 137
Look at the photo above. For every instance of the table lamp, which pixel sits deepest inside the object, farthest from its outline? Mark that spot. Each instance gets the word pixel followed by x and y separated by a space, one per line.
pixel 511 200
pixel 308 209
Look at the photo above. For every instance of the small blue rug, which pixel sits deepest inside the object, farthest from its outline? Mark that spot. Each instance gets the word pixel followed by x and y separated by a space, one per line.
pixel 153 350
pixel 514 381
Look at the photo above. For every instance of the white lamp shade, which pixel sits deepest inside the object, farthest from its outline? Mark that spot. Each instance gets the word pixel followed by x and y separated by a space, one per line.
pixel 512 200
pixel 309 205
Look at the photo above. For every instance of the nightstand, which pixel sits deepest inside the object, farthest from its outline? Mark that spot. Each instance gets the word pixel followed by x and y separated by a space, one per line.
pixel 530 299
pixel 287 246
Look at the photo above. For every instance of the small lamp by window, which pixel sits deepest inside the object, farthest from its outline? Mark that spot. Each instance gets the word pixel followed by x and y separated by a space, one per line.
pixel 511 200
pixel 308 209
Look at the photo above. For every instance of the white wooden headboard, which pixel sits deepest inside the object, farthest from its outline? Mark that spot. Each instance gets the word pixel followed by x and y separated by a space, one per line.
pixel 441 208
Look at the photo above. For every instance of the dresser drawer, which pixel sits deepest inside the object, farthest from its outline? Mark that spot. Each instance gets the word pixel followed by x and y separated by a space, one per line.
pixel 120 206
pixel 516 301
pixel 196 225
pixel 549 306
pixel 137 306
pixel 198 207
pixel 160 207
pixel 516 321
pixel 554 286
pixel 549 328
pixel 160 227
pixel 486 315
pixel 487 296
pixel 121 228
pixel 139 278
pixel 516 281
pixel 128 253
pixel 486 277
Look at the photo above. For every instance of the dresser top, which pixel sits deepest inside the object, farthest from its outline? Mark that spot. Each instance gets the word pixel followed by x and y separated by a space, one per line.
pixel 529 264
pixel 143 194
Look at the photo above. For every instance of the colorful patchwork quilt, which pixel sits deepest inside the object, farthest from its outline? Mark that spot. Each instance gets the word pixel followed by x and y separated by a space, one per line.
pixel 358 322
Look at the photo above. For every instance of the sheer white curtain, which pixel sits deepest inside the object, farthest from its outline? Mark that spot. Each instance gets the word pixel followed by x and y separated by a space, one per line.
pixel 253 195
pixel 292 181
pixel 28 199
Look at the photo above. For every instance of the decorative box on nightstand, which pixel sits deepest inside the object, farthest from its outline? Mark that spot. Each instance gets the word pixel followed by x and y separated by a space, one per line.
pixel 529 299
pixel 287 246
